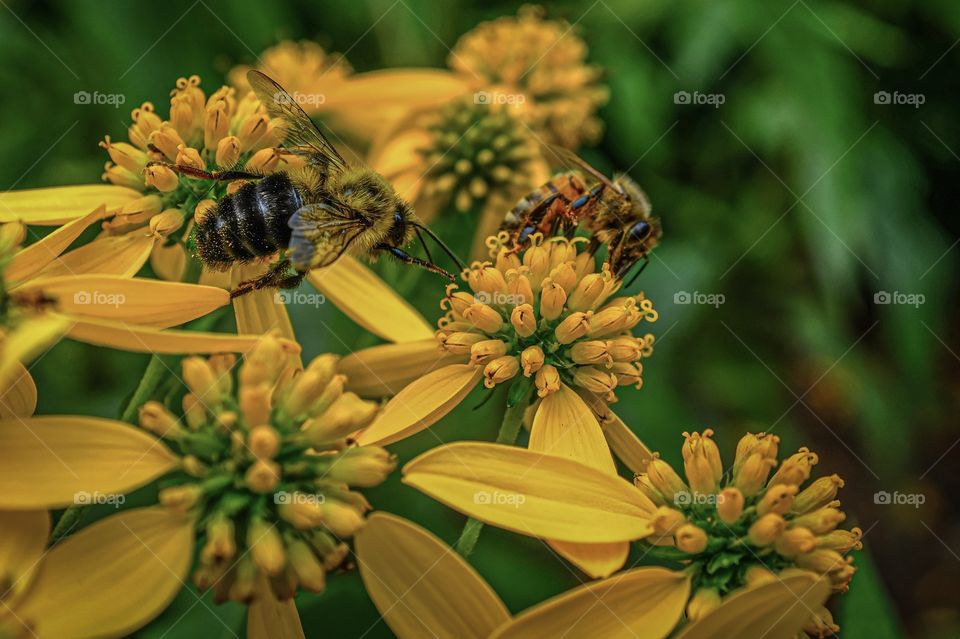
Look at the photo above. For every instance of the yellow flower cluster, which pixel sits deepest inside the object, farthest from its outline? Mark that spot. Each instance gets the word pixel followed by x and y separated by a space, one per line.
pixel 268 469
pixel 298 67
pixel 546 312
pixel 541 66
pixel 221 131
pixel 754 528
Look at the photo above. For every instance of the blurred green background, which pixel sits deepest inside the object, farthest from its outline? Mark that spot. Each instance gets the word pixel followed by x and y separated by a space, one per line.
pixel 799 203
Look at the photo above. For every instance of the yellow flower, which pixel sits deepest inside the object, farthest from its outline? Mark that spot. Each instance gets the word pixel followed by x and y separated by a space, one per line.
pixel 434 591
pixel 302 68
pixel 259 469
pixel 540 65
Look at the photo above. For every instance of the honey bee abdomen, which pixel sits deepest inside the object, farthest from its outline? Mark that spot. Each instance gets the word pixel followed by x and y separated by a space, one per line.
pixel 250 223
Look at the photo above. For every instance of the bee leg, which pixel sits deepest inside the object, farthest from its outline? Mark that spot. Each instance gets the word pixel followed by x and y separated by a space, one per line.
pixel 415 261
pixel 200 174
pixel 277 276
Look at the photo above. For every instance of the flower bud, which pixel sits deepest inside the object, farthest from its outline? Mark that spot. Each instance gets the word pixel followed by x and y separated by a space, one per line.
pixel 690 539
pixel 701 461
pixel 181 498
pixel 761 443
pixel 194 411
pixel 460 342
pixel 486 350
pixel 665 479
pixel 266 547
pixel 642 482
pixel 612 320
pixel 703 602
pixel 822 561
pixel 484 318
pixel 228 152
pixel 628 374
pixel 310 572
pixel 342 519
pixel 552 300
pixel 624 349
pixel 752 474
pixel 531 359
pixel 547 380
pixel 537 261
pixel 596 380
pixel 264 441
pixel 524 321
pixel 564 276
pixel 161 178
pixel 820 521
pixel 345 415
pixel 221 543
pixel 729 505
pixel 590 352
pixel 167 139
pixel 573 327
pixel 202 380
pixel 487 279
pixel 500 370
pixel 363 467
pixel 818 494
pixel 262 476
pixel 188 156
pixel 795 541
pixel 155 418
pixel 766 529
pixel 519 287
pixel 795 469
pixel 125 155
pixel 778 499
pixel 588 293
pixel 665 520
pixel 821 624
pixel 758 575
pixel 300 510
pixel 842 541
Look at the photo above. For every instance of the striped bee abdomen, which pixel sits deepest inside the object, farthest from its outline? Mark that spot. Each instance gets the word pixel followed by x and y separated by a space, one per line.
pixel 250 223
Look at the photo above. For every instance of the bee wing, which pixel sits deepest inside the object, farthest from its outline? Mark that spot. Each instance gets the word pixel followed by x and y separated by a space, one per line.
pixel 300 135
pixel 572 160
pixel 322 233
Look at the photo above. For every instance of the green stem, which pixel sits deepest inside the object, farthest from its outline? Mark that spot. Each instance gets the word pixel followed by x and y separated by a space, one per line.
pixel 518 400
pixel 152 377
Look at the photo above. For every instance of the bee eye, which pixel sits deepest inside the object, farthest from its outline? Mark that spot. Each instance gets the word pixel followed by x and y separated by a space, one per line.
pixel 639 231
pixel 398 217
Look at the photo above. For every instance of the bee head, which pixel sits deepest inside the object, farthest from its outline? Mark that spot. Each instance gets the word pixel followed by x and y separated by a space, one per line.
pixel 634 194
pixel 372 197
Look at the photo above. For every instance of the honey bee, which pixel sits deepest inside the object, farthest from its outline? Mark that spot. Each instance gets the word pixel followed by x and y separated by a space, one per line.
pixel 311 215
pixel 616 212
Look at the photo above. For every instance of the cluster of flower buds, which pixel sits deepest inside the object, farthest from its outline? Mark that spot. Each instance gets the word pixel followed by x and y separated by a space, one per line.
pixel 547 312
pixel 757 525
pixel 268 468
pixel 224 130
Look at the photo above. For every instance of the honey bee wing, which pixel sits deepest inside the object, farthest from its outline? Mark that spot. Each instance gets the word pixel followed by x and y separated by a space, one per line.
pixel 572 160
pixel 300 135
pixel 321 233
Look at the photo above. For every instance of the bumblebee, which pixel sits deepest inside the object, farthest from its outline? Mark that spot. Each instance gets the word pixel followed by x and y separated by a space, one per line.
pixel 616 213
pixel 311 215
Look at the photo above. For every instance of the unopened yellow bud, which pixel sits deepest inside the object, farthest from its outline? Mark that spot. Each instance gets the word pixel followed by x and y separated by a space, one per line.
pixel 795 469
pixel 519 288
pixel 665 479
pixel 628 374
pixel 125 155
pixel 189 156
pixel 264 161
pixel 822 561
pixel 821 624
pixel 596 380
pixel 547 380
pixel 221 543
pixel 729 505
pixel 795 541
pixel 766 530
pixel 484 318
pixel 758 575
pixel 500 370
pixel 611 320
pixel 643 483
pixel 181 498
pixel 342 519
pixel 300 510
pixel 487 280
pixel 531 359
pixel 202 380
pixel 253 132
pixel 591 352
pixel 624 349
pixel 194 411
pixel 363 467
pixel 216 124
pixel 524 320
pixel 701 461
pixel 266 547
pixel 167 139
pixel 537 261
pixel 346 415
pixel 552 300
pixel 264 441
pixel 820 521
pixel 309 571
pixel 486 350
pixel 665 520
pixel 263 476
pixel 703 602
pixel 460 342
pixel 155 418
pixel 228 152
pixel 161 178
pixel 752 474
pixel 573 327
pixel 778 499
pixel 565 277
pixel 842 541
pixel 818 494
pixel 457 301
pixel 690 539
pixel 588 293
pixel 763 444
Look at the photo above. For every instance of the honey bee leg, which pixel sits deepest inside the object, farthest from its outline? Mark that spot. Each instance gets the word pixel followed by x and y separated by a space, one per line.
pixel 201 174
pixel 277 276
pixel 415 261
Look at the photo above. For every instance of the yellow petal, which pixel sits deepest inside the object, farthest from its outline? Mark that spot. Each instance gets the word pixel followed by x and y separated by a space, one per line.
pixel 400 152
pixel 168 262
pixel 384 370
pixel 625 444
pixel 123 299
pixel 18 396
pixel 421 586
pixel 531 494
pixel 120 255
pixel 261 311
pixel 775 609
pixel 61 204
pixel 54 461
pixel 23 538
pixel 421 404
pixel 142 339
pixel 268 618
pixel 28 340
pixel 35 257
pixel 110 578
pixel 645 603
pixel 368 301
pixel 565 426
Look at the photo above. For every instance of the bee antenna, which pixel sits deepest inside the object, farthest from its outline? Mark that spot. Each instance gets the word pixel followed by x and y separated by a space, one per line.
pixel 446 249
pixel 426 249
